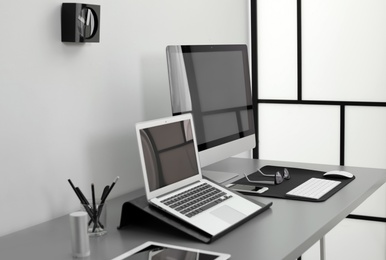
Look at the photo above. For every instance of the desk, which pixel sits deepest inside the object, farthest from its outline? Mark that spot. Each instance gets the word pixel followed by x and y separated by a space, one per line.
pixel 285 231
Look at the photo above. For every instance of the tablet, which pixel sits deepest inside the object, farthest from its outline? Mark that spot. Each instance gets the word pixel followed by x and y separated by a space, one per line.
pixel 160 251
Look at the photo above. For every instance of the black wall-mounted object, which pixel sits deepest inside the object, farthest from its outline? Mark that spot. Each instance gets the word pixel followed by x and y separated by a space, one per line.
pixel 80 22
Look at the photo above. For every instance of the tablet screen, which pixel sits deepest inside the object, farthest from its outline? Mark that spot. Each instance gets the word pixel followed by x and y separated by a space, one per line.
pixel 158 251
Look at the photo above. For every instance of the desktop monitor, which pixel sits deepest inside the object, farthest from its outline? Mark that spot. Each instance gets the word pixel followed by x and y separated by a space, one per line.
pixel 213 83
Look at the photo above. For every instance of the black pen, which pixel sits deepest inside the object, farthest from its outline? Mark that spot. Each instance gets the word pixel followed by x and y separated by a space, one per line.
pixel 103 197
pixel 81 198
pixel 76 192
pixel 111 187
pixel 106 193
pixel 79 193
pixel 100 207
pixel 86 205
pixel 72 185
pixel 94 210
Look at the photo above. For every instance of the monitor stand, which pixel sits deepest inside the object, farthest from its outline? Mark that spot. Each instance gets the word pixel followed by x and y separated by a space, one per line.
pixel 218 176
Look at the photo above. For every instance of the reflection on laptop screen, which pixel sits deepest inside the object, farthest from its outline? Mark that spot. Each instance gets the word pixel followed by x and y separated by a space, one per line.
pixel 169 153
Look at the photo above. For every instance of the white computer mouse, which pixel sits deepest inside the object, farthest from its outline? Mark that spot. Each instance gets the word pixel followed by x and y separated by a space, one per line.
pixel 338 174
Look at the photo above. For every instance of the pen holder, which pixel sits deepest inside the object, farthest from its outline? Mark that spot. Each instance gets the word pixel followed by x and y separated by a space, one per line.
pixel 96 218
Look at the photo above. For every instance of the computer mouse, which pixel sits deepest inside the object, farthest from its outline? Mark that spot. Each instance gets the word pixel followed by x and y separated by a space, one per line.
pixel 338 175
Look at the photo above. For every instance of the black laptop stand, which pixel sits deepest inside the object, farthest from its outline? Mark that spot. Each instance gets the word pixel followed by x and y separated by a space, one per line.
pixel 139 212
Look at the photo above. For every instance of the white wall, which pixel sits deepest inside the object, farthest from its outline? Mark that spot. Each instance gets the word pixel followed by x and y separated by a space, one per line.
pixel 68 110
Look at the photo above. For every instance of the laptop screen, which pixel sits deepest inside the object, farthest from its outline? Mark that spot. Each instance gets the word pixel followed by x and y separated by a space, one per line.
pixel 169 153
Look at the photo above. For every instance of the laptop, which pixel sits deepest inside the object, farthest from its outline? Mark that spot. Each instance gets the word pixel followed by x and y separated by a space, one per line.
pixel 174 182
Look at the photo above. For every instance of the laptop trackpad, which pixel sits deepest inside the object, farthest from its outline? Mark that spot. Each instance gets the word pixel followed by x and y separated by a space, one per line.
pixel 228 214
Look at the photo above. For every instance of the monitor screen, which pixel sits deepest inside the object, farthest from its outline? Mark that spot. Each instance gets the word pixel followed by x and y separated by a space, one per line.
pixel 213 83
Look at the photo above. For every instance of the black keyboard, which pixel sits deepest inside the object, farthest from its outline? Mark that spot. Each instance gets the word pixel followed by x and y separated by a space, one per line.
pixel 196 200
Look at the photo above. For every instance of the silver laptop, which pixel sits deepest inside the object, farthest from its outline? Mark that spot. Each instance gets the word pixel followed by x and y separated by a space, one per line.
pixel 173 179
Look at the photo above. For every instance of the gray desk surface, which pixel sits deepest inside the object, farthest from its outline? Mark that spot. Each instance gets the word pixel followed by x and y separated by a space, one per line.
pixel 285 231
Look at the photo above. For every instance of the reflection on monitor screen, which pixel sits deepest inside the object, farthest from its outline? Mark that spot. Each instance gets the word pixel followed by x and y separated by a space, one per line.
pixel 213 83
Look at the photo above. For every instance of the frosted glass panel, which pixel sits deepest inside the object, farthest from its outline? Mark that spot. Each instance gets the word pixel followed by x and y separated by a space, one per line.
pixel 366 136
pixel 344 50
pixel 299 133
pixel 366 147
pixel 277 49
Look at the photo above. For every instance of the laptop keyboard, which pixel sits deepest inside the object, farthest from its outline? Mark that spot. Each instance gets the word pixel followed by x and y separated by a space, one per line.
pixel 196 200
pixel 314 188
